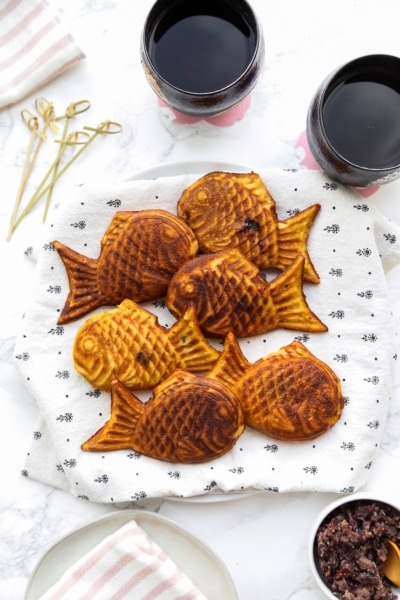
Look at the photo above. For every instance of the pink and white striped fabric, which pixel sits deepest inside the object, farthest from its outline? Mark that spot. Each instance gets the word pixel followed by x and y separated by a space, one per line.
pixel 35 46
pixel 127 565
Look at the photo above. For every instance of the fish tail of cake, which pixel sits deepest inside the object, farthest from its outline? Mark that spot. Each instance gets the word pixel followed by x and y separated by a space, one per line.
pixel 292 241
pixel 231 364
pixel 116 434
pixel 195 353
pixel 84 294
pixel 292 310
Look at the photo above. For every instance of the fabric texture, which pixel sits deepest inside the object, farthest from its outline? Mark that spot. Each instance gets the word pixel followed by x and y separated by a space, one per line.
pixel 351 245
pixel 35 46
pixel 127 565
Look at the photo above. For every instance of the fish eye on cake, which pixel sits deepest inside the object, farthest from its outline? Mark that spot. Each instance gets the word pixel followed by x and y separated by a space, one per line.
pixel 230 296
pixel 189 419
pixel 235 210
pixel 140 251
pixel 129 344
pixel 288 395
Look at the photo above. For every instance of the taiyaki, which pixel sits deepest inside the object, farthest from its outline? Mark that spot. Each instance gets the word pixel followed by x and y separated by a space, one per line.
pixel 189 419
pixel 127 343
pixel 231 296
pixel 140 251
pixel 288 395
pixel 235 210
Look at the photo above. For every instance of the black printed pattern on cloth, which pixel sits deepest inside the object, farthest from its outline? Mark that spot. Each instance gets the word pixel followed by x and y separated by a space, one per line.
pixel 134 455
pixel 343 302
pixel 59 330
pixel 95 393
pixel 139 496
pixel 390 238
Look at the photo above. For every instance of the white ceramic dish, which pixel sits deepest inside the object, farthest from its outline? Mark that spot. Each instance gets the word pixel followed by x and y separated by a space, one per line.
pixel 324 513
pixel 193 556
pixel 196 167
pixel 181 168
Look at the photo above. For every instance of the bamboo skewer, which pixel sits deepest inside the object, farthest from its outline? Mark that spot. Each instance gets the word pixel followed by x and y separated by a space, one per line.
pixel 102 129
pixel 70 113
pixel 32 124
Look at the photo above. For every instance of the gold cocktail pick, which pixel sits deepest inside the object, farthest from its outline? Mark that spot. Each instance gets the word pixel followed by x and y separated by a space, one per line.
pixel 33 125
pixel 72 110
pixel 71 140
pixel 107 127
pixel 70 113
pixel 46 111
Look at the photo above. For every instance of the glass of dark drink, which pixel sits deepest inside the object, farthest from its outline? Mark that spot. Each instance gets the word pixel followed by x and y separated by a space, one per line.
pixel 202 57
pixel 353 123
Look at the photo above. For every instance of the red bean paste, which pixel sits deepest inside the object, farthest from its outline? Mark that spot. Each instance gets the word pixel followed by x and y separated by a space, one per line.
pixel 351 545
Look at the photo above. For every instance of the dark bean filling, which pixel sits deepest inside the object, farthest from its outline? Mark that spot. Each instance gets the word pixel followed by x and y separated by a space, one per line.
pixel 351 545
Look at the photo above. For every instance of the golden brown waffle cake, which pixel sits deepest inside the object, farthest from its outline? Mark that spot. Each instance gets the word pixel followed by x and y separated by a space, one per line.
pixel 140 251
pixel 288 395
pixel 128 343
pixel 235 210
pixel 230 295
pixel 189 419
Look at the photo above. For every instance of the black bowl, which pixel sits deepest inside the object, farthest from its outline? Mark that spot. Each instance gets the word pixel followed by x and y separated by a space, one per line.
pixel 329 159
pixel 210 103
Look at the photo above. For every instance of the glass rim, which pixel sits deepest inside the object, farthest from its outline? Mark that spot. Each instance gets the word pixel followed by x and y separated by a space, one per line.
pixel 258 36
pixel 324 96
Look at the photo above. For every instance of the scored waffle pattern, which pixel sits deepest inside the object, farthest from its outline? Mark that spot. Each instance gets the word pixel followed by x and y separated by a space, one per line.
pixel 114 345
pixel 127 343
pixel 230 296
pixel 189 419
pixel 289 399
pixel 141 253
pixel 192 420
pixel 231 210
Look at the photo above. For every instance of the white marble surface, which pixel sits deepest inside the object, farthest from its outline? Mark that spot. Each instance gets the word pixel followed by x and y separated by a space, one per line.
pixel 262 538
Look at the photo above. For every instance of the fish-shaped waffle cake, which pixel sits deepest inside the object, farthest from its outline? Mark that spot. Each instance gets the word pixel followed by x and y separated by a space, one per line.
pixel 288 395
pixel 189 419
pixel 140 251
pixel 235 210
pixel 231 296
pixel 127 343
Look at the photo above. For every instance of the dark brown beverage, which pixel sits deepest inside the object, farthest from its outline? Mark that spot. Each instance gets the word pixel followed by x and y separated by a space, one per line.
pixel 353 122
pixel 201 46
pixel 361 117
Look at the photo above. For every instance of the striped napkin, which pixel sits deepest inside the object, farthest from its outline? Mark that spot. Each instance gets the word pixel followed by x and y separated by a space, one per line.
pixel 127 565
pixel 35 46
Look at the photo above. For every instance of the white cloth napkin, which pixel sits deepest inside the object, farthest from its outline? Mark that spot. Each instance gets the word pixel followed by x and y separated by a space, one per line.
pixel 127 565
pixel 35 46
pixel 351 244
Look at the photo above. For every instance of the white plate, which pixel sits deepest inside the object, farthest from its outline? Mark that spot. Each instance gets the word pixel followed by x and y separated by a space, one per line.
pixel 197 167
pixel 181 168
pixel 193 556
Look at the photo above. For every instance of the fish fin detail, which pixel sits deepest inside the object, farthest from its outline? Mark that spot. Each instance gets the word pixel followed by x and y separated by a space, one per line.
pixel 194 352
pixel 231 364
pixel 296 350
pixel 292 310
pixel 117 224
pixel 140 314
pixel 116 434
pixel 84 294
pixel 292 240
